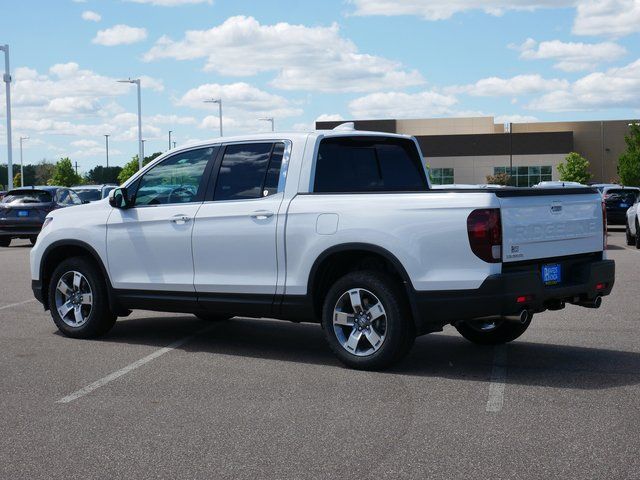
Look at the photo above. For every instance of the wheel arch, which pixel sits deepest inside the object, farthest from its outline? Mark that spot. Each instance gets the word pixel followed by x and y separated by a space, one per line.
pixel 63 249
pixel 338 260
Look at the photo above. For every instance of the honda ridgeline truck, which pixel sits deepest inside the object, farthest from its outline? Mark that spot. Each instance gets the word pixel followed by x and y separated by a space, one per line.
pixel 340 228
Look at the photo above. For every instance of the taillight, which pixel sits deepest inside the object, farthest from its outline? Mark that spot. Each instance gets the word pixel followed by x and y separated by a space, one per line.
pixel 604 226
pixel 485 234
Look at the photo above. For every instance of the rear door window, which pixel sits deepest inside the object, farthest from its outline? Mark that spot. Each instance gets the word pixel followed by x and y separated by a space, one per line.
pixel 29 196
pixel 620 195
pixel 366 164
pixel 249 170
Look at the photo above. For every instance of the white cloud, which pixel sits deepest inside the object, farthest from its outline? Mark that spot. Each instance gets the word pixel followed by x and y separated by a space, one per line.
pixel 171 3
pixel 571 56
pixel 613 18
pixel 329 117
pixel 120 35
pixel 402 105
pixel 85 143
pixel 615 88
pixel 305 58
pixel 514 86
pixel 91 16
pixel 439 10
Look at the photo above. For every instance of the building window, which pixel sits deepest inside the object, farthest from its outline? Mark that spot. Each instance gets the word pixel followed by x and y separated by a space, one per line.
pixel 441 176
pixel 525 176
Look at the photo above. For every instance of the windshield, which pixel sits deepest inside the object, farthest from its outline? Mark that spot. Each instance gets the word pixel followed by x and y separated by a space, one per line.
pixel 88 195
pixel 29 196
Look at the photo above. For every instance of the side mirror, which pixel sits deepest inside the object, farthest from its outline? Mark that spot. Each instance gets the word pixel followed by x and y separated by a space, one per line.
pixel 118 198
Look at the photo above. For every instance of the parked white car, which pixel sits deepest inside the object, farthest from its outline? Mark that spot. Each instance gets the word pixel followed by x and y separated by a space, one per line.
pixel 632 225
pixel 335 227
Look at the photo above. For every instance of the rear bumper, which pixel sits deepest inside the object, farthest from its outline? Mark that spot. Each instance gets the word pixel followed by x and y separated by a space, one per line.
pixel 616 217
pixel 498 294
pixel 18 229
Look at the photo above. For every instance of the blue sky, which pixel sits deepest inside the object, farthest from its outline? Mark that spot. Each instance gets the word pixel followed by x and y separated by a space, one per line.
pixel 517 60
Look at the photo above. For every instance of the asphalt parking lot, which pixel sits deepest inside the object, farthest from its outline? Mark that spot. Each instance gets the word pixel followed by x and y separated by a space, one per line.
pixel 170 396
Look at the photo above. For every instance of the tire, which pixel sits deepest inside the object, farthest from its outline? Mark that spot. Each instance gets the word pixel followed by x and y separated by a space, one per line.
pixel 630 240
pixel 502 332
pixel 213 317
pixel 637 235
pixel 96 317
pixel 5 242
pixel 392 331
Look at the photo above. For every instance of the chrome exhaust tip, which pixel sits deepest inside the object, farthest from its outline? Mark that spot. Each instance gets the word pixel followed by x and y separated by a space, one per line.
pixel 523 317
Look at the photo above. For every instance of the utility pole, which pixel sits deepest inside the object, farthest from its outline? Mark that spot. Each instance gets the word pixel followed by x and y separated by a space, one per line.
pixel 142 142
pixel 170 139
pixel 7 81
pixel 140 147
pixel 106 138
pixel 21 162
pixel 76 167
pixel 174 144
pixel 510 148
pixel 269 119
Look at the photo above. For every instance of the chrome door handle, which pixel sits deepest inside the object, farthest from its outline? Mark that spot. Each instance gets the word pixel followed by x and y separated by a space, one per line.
pixel 180 219
pixel 261 214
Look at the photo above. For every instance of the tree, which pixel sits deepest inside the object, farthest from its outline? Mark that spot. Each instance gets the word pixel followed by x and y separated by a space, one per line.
pixel 629 161
pixel 64 175
pixel 132 167
pixel 43 172
pixel 576 169
pixel 501 178
pixel 100 174
pixel 17 180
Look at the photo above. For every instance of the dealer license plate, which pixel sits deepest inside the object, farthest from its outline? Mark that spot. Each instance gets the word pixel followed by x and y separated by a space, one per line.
pixel 23 213
pixel 552 274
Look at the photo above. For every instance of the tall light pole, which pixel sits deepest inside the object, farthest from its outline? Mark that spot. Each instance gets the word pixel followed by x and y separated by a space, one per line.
pixel 7 81
pixel 269 119
pixel 140 146
pixel 142 142
pixel 21 163
pixel 170 139
pixel 106 141
pixel 219 102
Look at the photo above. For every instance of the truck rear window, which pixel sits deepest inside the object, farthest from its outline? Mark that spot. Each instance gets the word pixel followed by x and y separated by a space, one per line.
pixel 368 164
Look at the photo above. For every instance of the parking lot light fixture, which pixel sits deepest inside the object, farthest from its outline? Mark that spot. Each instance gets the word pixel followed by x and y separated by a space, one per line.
pixel 7 81
pixel 269 119
pixel 140 147
pixel 219 102
pixel 21 162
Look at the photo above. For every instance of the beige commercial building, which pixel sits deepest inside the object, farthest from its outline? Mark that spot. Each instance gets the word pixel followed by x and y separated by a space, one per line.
pixel 467 150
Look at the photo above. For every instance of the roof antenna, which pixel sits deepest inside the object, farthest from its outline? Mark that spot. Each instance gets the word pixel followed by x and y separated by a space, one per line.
pixel 345 127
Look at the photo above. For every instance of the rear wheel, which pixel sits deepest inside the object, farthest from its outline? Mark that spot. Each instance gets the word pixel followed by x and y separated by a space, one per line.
pixel 4 242
pixel 630 239
pixel 367 321
pixel 491 332
pixel 78 299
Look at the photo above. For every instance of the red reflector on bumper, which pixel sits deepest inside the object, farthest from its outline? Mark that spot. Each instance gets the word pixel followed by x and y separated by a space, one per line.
pixel 600 286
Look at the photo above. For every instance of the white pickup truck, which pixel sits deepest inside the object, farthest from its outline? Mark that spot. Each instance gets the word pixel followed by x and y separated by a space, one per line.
pixel 336 227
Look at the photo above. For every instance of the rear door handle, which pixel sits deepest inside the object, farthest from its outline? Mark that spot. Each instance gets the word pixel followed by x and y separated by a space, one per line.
pixel 261 214
pixel 180 219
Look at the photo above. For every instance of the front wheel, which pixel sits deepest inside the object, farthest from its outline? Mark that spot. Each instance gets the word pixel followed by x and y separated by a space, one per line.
pixel 491 332
pixel 367 322
pixel 78 299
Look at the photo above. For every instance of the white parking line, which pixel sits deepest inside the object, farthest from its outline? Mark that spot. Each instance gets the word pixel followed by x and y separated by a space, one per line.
pixel 17 304
pixel 132 366
pixel 498 379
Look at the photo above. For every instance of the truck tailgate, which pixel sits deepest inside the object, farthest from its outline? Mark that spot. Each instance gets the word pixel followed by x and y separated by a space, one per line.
pixel 550 224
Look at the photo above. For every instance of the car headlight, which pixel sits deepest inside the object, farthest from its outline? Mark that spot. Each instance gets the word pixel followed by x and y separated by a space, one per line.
pixel 47 221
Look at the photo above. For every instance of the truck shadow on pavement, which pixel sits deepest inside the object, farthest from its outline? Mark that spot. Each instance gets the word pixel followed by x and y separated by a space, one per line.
pixel 436 355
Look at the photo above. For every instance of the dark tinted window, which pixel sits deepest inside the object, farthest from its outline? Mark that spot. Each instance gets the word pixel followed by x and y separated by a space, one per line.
pixel 363 164
pixel 176 179
pixel 29 196
pixel 249 170
pixel 621 196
